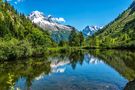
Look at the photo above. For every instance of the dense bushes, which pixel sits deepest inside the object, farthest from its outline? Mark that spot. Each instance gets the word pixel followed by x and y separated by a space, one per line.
pixel 14 49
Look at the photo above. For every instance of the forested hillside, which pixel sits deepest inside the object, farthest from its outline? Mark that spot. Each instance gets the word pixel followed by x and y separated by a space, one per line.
pixel 19 37
pixel 118 34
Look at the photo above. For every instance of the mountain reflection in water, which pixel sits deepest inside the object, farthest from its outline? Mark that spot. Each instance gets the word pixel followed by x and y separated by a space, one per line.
pixel 78 70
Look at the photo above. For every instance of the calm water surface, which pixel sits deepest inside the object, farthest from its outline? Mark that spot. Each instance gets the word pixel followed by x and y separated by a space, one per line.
pixel 78 70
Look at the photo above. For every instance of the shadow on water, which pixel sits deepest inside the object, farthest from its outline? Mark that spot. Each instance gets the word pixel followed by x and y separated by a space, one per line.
pixel 82 70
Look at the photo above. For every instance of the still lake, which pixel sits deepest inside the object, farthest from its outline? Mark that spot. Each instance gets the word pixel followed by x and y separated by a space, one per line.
pixel 77 70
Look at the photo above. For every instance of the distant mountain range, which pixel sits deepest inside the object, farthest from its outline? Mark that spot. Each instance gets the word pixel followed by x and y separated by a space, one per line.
pixel 90 30
pixel 59 31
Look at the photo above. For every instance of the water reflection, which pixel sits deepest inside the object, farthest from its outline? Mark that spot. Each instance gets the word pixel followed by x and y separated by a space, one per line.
pixel 78 70
pixel 122 61
pixel 91 59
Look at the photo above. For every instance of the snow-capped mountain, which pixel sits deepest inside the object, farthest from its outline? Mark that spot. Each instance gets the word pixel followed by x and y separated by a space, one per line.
pixel 48 22
pixel 90 30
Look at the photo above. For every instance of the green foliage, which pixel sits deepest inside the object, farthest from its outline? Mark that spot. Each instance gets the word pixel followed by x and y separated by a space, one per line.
pixel 63 43
pixel 19 37
pixel 10 81
pixel 14 49
pixel 81 38
pixel 76 38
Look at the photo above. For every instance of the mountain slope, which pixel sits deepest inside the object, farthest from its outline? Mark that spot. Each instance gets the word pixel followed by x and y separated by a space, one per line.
pixel 59 32
pixel 19 37
pixel 118 34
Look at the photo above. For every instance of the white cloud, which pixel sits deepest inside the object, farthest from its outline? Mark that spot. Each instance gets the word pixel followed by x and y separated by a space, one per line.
pixel 59 20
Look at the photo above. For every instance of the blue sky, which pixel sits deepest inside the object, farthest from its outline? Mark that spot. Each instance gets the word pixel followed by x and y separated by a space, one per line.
pixel 77 13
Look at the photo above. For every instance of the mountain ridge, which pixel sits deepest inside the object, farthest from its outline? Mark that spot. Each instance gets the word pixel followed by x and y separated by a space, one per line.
pixel 118 34
pixel 48 22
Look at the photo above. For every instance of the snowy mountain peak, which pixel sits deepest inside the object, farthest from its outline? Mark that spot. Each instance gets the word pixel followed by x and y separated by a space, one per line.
pixel 36 16
pixel 90 30
pixel 48 22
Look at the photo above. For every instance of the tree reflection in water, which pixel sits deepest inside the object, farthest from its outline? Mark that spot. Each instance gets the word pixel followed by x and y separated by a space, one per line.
pixel 25 71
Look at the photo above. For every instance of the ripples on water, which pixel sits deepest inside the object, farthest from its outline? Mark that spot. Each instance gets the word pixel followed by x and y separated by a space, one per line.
pixel 79 70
